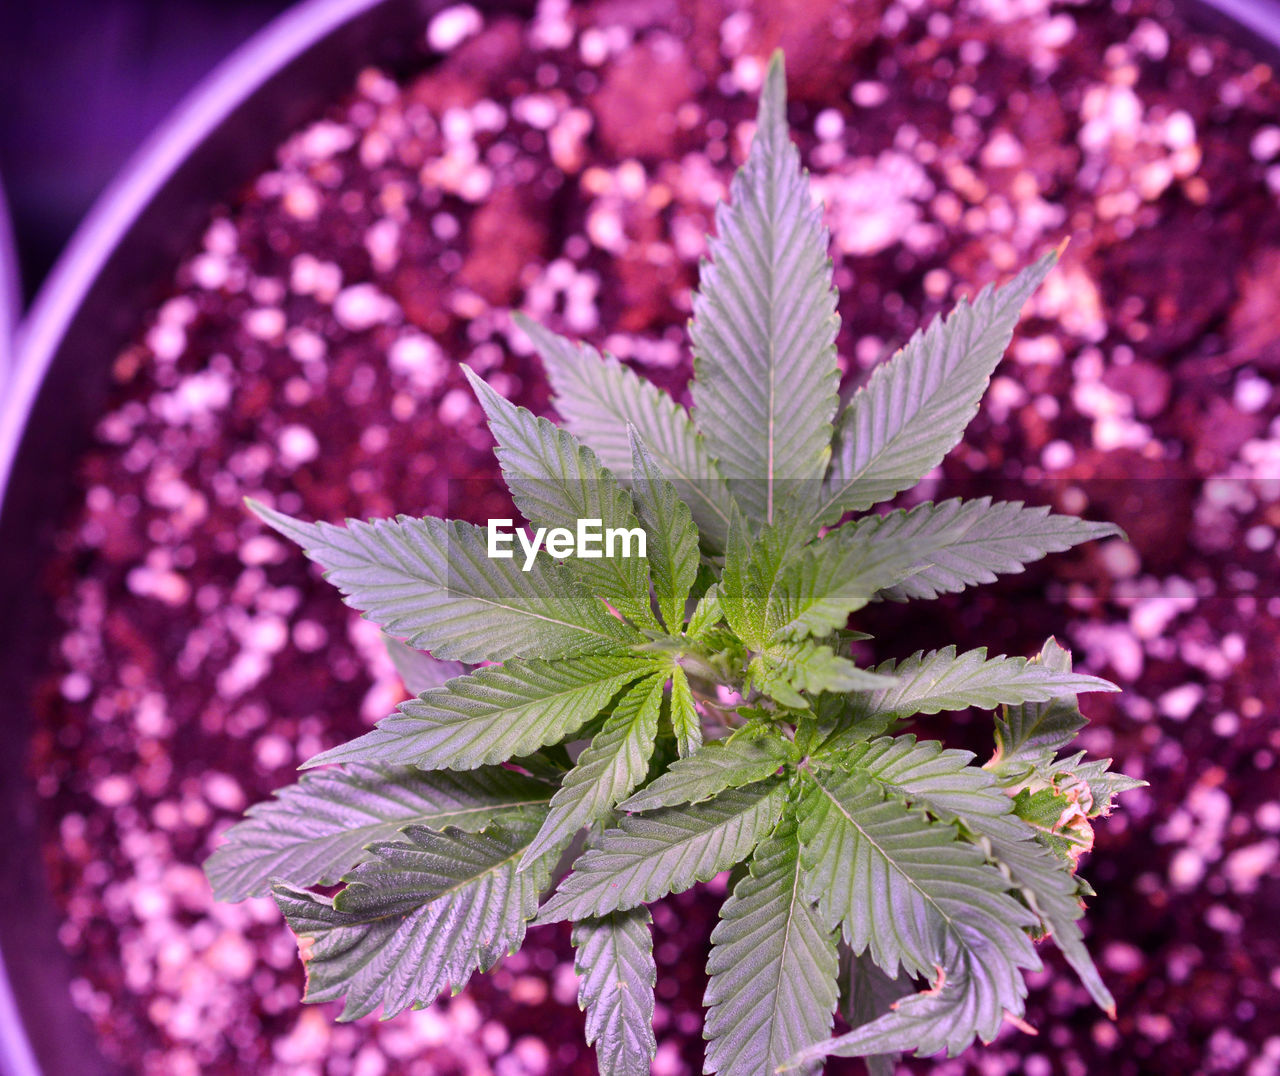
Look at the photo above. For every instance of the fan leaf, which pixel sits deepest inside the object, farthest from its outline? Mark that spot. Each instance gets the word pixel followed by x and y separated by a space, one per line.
pixel 421 916
pixel 494 714
pixel 772 968
pixel 616 760
pixel 649 856
pixel 314 831
pixel 916 406
pixel 558 482
pixel 432 582
pixel 942 680
pixel 906 890
pixel 715 767
pixel 613 956
pixel 673 539
pixel 764 325
pixel 597 397
pixel 958 543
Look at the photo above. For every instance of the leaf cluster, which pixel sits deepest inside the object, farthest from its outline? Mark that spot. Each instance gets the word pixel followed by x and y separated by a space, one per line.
pixel 652 722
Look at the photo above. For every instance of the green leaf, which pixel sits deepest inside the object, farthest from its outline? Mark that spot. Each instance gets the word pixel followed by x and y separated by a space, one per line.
pixel 1030 735
pixel 866 994
pixel 916 406
pixel 432 582
pixel 961 543
pixel 418 670
pixel 597 397
pixel 717 766
pixel 614 961
pixel 421 916
pixel 1050 890
pixel 772 967
pixel 812 667
pixel 557 483
pixel 685 720
pixel 905 888
pixel 649 856
pixel 706 614
pixel 764 324
pixel 616 760
pixel 317 829
pixel 838 575
pixel 945 784
pixel 964 1001
pixel 496 713
pixel 754 568
pixel 943 680
pixel 673 539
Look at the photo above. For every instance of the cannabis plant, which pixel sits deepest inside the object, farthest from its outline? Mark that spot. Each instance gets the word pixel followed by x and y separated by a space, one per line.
pixel 653 721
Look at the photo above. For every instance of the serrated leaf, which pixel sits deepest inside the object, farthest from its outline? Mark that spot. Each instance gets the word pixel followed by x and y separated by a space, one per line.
pixel 946 784
pixel 649 856
pixel 418 670
pixel 706 614
pixel 1051 891
pixel 916 406
pixel 962 543
pixel 754 567
pixel 427 912
pixel 943 680
pixel 558 482
pixel 613 956
pixel 899 884
pixel 866 994
pixel 686 723
pixel 597 397
pixel 717 766
pixel 772 967
pixel 314 831
pixel 764 324
pixel 1030 735
pixel 814 668
pixel 615 761
pixel 673 539
pixel 496 713
pixel 820 587
pixel 963 1001
pixel 432 582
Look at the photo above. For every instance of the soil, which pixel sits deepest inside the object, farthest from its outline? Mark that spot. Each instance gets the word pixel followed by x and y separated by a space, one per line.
pixel 569 167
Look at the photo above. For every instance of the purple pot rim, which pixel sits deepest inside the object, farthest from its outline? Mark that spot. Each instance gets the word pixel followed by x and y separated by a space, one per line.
pixel 29 348
pixel 10 288
pixel 38 337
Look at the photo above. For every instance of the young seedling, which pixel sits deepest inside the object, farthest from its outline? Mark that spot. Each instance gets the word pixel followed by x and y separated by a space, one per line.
pixel 689 706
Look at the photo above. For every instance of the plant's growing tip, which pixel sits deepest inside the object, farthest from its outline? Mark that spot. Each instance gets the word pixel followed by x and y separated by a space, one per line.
pixel 696 709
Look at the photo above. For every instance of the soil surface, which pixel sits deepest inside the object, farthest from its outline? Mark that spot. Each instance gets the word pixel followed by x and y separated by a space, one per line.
pixel 569 167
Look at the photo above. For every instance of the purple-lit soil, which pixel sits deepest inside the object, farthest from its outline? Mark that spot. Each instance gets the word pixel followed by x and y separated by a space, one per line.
pixel 569 167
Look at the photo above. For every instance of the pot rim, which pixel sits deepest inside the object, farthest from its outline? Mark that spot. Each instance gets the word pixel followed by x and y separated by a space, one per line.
pixel 15 1049
pixel 31 352
pixel 10 287
pixel 231 83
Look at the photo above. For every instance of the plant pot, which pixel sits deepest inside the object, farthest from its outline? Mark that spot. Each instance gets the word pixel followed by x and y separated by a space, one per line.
pixel 55 385
pixel 123 261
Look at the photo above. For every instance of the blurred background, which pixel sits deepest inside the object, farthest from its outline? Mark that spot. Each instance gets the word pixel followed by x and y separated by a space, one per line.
pixel 301 345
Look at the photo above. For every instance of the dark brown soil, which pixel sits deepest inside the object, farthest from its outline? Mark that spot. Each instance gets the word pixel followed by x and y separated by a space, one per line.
pixel 569 168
